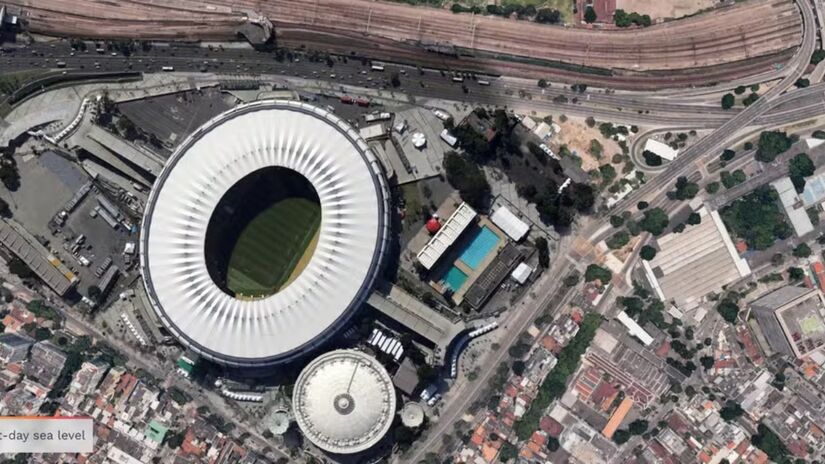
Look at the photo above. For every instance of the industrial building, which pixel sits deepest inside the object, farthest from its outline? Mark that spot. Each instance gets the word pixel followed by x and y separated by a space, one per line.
pixel 795 208
pixel 792 320
pixel 340 271
pixel 696 262
pixel 46 266
pixel 344 401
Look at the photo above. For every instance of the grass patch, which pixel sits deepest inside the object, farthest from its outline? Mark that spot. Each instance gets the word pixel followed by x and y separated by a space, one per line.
pixel 274 247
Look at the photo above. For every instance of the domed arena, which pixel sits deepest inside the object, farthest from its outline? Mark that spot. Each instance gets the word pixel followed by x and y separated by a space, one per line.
pixel 264 232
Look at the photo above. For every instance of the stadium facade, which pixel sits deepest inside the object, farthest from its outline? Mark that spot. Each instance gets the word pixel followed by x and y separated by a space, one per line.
pixel 351 241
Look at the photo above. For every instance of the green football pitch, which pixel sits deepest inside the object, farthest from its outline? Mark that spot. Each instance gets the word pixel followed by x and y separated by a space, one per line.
pixel 272 246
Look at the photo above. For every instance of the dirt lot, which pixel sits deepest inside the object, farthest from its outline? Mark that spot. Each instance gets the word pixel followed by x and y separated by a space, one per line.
pixel 577 136
pixel 660 9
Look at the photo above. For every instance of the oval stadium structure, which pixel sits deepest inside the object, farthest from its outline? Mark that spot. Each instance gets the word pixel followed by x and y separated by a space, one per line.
pixel 264 232
pixel 344 401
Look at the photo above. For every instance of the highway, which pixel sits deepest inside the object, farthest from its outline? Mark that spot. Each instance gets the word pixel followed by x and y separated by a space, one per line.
pixel 712 144
pixel 516 94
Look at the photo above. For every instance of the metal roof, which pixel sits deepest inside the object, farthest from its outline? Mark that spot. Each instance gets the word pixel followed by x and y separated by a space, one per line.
pixel 353 235
pixel 514 227
pixel 344 401
pixel 445 237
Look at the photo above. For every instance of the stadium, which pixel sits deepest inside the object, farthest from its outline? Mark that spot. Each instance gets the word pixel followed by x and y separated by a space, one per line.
pixel 264 233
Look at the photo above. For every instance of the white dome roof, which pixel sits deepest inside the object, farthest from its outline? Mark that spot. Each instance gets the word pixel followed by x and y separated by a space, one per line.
pixel 352 236
pixel 344 401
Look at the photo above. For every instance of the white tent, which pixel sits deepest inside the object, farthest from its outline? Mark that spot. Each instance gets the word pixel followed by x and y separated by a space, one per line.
pixel 521 273
pixel 514 227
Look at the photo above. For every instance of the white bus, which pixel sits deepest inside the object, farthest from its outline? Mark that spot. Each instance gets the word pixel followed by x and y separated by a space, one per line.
pixel 458 79
pixel 480 82
pixel 377 67
pixel 168 68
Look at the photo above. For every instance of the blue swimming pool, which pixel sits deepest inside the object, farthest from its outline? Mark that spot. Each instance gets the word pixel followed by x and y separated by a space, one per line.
pixel 454 278
pixel 482 244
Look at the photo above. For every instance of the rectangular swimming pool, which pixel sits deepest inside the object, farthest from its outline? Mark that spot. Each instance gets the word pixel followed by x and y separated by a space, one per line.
pixel 454 278
pixel 478 249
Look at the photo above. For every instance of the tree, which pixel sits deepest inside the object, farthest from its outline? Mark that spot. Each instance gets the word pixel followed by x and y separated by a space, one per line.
pixel 707 362
pixel 616 221
pixel 651 159
pixel 727 154
pixel 694 219
pixel 508 451
pixel 647 253
pixel 618 240
pixel 637 427
pixel 712 187
pixel 19 268
pixel 757 218
pixel 802 251
pixel 817 56
pixel 731 411
pixel 544 254
pixel 548 16
pixel 795 273
pixel 730 180
pixel 572 279
pixel 395 80
pixel 174 439
pixel 93 291
pixel 800 167
pixel 771 144
pixel 654 221
pixel 728 100
pixel 518 368
pixel 590 15
pixel 467 178
pixel 621 436
pixel 739 90
pixel 729 310
pixel 542 83
pixel 685 190
pixel 596 272
pixel 642 205
pixel 750 99
pixel 769 442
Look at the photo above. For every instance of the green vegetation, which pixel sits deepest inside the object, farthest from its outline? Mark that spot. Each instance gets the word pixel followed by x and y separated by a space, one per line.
pixel 694 219
pixel 590 15
pixel 729 309
pixel 772 144
pixel 596 272
pixel 685 190
pixel 800 167
pixel 647 253
pixel 757 219
pixel 616 221
pixel 508 451
pixel 731 411
pixel 769 442
pixel 40 309
pixel 727 154
pixel 712 187
pixel 555 384
pixel 750 99
pixel 652 159
pixel 618 240
pixel 654 221
pixel 272 245
pixel 544 253
pixel 795 273
pixel 596 149
pixel 730 180
pixel 728 100
pixel 635 308
pixel 802 251
pixel 740 90
pixel 467 178
pixel 624 19
pixel 817 56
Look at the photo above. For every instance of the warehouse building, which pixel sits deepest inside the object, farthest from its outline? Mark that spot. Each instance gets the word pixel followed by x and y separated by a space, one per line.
pixel 695 263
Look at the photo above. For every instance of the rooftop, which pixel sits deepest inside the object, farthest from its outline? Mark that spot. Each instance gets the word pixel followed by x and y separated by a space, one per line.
pixel 696 262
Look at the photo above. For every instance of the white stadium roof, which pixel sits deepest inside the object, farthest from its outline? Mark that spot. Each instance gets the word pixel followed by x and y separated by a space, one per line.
pixel 344 401
pixel 447 235
pixel 352 238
